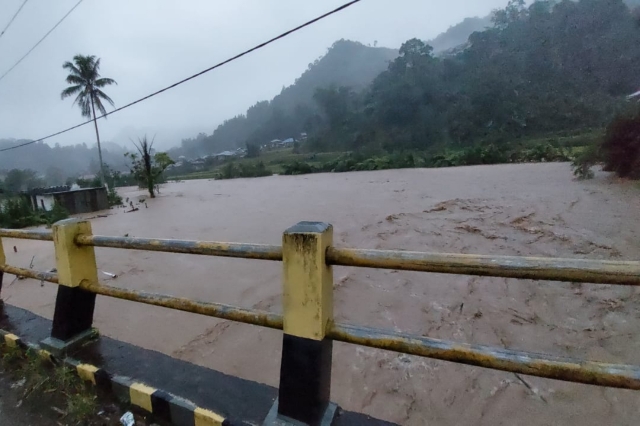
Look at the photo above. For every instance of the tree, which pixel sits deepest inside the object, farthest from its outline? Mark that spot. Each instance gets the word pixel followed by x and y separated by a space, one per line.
pixel 253 150
pixel 148 167
pixel 621 147
pixel 21 180
pixel 84 76
pixel 54 176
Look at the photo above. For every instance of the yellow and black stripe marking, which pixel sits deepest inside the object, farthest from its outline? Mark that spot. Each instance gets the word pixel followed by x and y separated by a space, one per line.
pixel 178 411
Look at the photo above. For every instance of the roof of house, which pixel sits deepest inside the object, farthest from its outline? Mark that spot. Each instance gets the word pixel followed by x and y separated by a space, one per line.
pixel 289 140
pixel 633 95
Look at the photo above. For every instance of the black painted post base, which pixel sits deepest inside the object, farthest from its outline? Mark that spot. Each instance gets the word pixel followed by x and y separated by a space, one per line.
pixel 62 348
pixel 275 419
pixel 72 320
pixel 305 382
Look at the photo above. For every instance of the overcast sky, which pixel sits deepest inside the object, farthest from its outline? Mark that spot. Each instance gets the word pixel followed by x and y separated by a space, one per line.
pixel 147 44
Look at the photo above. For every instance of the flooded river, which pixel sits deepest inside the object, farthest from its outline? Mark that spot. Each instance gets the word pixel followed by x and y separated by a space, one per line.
pixel 524 209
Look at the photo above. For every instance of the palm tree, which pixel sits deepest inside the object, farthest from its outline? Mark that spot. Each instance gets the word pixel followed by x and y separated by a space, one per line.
pixel 84 76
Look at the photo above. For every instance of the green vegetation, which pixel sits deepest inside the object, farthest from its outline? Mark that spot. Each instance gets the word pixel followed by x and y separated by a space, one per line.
pixel 538 84
pixel 561 147
pixel 232 170
pixel 148 168
pixel 55 392
pixel 84 78
pixel 293 111
pixel 618 151
pixel 18 180
pixel 42 379
pixel 16 213
pixel 113 197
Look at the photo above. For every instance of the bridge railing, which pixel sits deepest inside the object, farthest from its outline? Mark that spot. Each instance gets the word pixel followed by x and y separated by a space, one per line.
pixel 308 254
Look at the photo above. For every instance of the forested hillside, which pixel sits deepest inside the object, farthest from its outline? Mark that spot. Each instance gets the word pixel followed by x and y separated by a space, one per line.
pixel 540 69
pixel 347 63
pixel 459 34
pixel 549 67
pixel 59 162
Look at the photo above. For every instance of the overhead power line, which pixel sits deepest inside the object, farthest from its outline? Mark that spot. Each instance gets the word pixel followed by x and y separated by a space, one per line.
pixel 39 41
pixel 238 56
pixel 13 18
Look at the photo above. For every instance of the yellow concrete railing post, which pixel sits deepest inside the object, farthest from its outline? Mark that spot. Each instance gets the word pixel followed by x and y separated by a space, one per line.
pixel 305 371
pixel 73 316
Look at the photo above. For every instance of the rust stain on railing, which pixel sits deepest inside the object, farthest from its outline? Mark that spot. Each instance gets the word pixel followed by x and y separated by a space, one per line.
pixel 27 234
pixel 217 310
pixel 567 369
pixel 208 248
pixel 536 268
pixel 30 273
pixel 570 270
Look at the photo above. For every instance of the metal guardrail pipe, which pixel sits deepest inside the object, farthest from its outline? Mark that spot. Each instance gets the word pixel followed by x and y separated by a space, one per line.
pixel 30 273
pixel 208 248
pixel 217 310
pixel 27 234
pixel 567 369
pixel 535 268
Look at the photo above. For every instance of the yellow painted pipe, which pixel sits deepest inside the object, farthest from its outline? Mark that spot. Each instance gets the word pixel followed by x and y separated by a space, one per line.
pixel 535 268
pixel 208 248
pixel 540 365
pixel 27 234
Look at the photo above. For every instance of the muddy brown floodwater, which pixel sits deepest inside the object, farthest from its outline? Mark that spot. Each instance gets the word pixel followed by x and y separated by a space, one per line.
pixel 524 209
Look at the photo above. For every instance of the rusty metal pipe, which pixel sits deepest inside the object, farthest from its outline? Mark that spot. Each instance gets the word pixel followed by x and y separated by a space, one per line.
pixel 566 369
pixel 208 248
pixel 217 310
pixel 535 268
pixel 30 273
pixel 27 234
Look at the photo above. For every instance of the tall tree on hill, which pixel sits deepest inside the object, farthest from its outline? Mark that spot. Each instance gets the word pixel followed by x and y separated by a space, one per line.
pixel 85 80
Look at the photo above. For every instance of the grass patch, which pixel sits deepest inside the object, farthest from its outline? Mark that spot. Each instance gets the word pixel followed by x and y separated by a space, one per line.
pixel 55 391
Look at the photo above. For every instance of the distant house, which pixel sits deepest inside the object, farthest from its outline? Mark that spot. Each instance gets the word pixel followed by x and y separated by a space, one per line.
pixel 81 200
pixel 198 164
pixel 225 154
pixel 288 142
pixel 303 136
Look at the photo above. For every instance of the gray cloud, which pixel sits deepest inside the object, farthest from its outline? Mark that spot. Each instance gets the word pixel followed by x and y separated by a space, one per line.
pixel 147 44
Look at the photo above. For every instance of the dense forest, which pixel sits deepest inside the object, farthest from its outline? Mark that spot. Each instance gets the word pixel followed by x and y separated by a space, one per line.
pixel 550 67
pixel 346 63
pixel 458 35
pixel 546 68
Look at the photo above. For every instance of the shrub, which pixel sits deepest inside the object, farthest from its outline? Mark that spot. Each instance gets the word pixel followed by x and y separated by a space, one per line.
pixel 16 213
pixel 621 147
pixel 298 168
pixel 56 213
pixel 113 197
pixel 232 171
